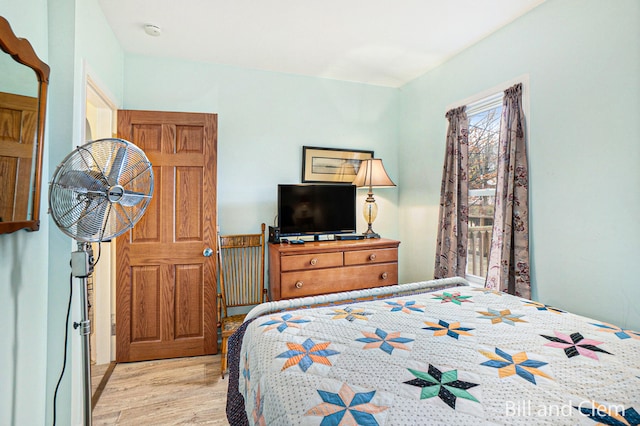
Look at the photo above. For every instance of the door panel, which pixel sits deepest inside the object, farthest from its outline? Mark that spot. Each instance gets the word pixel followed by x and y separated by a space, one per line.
pixel 188 204
pixel 145 291
pixel 188 294
pixel 166 288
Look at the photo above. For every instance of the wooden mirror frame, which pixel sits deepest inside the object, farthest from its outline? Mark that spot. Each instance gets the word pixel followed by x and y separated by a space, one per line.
pixel 21 51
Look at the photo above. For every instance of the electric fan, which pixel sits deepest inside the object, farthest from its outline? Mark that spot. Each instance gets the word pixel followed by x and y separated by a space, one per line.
pixel 99 191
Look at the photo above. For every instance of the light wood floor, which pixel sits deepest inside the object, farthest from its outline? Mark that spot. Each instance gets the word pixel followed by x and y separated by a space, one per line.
pixel 185 391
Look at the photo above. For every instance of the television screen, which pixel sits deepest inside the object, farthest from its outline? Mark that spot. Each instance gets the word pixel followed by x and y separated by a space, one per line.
pixel 314 209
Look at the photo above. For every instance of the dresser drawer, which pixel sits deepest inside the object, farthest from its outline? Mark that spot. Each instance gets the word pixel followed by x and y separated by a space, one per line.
pixel 323 267
pixel 311 261
pixel 323 281
pixel 362 257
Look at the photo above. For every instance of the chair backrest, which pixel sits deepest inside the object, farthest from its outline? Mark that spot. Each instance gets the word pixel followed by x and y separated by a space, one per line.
pixel 241 266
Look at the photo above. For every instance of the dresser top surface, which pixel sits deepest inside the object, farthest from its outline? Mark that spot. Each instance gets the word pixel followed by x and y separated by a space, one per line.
pixel 335 245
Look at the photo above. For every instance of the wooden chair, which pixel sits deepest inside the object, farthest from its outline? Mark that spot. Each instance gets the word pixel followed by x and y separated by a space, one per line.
pixel 241 272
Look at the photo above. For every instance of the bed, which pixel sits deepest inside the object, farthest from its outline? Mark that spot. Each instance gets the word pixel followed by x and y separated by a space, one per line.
pixel 435 352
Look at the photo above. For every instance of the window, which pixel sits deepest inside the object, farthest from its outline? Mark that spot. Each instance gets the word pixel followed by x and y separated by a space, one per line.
pixel 484 134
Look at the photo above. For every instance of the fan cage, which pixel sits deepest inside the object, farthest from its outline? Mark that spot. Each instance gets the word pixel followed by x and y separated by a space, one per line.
pixel 101 190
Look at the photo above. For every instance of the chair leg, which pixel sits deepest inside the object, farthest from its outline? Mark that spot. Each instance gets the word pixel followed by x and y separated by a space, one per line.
pixel 223 359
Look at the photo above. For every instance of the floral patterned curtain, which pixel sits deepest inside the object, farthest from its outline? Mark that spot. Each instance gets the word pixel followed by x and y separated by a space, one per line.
pixel 451 251
pixel 509 257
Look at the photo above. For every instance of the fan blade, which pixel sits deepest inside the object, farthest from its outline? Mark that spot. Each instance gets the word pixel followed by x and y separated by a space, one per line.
pixel 91 222
pixel 123 216
pixel 82 179
pixel 130 198
pixel 117 166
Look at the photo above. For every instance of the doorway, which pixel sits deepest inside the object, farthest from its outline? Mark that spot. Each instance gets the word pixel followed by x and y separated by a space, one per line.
pixel 182 146
pixel 100 123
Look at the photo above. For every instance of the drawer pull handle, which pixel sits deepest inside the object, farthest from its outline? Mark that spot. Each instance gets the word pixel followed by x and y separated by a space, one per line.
pixel 372 257
pixel 314 262
pixel 299 284
pixel 384 275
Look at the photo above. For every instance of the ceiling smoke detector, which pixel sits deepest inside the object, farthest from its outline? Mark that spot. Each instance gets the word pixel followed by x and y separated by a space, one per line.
pixel 152 30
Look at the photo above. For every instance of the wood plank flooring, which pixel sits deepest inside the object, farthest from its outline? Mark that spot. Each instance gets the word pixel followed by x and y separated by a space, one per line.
pixel 185 391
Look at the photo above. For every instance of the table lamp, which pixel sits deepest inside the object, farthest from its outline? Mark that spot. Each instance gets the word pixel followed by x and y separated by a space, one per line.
pixel 371 174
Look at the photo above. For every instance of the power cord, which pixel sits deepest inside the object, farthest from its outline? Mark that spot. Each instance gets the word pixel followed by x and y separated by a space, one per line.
pixel 66 336
pixel 99 254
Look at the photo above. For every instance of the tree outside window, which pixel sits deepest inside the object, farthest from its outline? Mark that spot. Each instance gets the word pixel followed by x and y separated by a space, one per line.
pixel 484 134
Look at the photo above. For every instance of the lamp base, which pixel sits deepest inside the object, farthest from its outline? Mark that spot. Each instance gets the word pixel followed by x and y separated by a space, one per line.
pixel 370 234
pixel 370 212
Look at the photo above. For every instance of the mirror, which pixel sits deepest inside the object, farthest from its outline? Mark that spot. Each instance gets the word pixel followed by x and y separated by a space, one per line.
pixel 24 79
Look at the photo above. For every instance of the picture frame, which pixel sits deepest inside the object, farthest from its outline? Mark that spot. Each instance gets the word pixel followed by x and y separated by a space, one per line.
pixel 331 165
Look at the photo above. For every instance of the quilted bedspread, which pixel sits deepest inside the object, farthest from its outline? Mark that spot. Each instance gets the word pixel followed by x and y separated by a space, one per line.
pixel 454 356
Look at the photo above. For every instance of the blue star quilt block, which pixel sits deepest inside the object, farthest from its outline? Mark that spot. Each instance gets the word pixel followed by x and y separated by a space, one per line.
pixel 451 329
pixel 304 355
pixel 620 333
pixel 386 341
pixel 284 322
pixel 404 306
pixel 349 405
pixel 518 364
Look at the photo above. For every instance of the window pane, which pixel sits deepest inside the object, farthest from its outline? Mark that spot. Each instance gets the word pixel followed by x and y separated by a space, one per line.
pixel 484 133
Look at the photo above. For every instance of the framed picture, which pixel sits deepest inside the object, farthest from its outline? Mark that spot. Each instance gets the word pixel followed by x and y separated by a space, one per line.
pixel 331 165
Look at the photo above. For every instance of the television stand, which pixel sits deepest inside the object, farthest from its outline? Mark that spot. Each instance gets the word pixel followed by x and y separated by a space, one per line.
pixel 321 267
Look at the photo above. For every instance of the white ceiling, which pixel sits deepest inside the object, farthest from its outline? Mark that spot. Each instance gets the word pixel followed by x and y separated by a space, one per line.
pixel 380 42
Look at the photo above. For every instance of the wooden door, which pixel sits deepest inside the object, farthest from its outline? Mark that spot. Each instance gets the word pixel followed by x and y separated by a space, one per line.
pixel 165 286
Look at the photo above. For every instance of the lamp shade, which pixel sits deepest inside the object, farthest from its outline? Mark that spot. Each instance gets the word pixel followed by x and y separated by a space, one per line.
pixel 372 174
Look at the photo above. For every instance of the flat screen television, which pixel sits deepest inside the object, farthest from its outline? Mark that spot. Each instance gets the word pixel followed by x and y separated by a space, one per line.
pixel 316 209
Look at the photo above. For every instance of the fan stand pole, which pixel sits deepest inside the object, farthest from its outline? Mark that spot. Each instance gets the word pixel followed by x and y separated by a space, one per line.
pixel 82 267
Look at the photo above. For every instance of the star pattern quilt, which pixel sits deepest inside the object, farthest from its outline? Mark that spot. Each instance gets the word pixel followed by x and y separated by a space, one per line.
pixel 453 356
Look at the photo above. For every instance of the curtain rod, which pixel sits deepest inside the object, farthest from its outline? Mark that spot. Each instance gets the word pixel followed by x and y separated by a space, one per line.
pixel 524 79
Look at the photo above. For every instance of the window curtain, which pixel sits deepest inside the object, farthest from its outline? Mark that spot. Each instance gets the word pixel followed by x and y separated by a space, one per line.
pixel 451 249
pixel 509 257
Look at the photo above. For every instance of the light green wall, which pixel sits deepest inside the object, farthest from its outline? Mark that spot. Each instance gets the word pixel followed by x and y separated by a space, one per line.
pixel 582 58
pixel 264 119
pixel 34 267
pixel 583 62
pixel 23 275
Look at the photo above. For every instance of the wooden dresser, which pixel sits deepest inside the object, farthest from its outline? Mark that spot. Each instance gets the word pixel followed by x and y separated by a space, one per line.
pixel 312 268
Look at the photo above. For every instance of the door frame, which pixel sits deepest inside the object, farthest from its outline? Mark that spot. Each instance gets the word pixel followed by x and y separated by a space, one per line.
pixel 103 340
